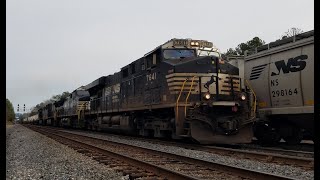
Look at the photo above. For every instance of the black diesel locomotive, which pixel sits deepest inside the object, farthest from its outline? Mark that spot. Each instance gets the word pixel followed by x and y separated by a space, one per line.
pixel 181 89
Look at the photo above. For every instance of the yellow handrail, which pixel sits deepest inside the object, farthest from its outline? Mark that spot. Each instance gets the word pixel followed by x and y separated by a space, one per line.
pixel 177 103
pixel 185 106
pixel 255 98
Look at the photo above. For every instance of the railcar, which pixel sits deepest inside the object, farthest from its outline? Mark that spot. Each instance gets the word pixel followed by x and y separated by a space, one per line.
pixel 282 75
pixel 31 119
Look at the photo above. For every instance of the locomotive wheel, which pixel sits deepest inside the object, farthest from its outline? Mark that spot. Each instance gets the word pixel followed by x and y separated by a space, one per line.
pixel 295 138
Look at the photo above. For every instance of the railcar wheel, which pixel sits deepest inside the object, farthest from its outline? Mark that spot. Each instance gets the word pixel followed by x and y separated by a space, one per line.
pixel 266 135
pixel 295 137
pixel 271 138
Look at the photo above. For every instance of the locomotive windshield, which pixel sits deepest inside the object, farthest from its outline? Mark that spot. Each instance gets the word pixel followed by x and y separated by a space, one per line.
pixel 203 52
pixel 82 93
pixel 178 53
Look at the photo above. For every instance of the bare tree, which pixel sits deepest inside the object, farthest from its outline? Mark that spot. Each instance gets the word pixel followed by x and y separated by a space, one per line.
pixel 292 32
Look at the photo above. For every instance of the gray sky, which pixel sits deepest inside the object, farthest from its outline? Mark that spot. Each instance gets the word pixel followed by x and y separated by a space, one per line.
pixel 54 46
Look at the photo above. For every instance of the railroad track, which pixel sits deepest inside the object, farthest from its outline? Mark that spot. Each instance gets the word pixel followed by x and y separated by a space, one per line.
pixel 145 163
pixel 301 159
pixel 304 160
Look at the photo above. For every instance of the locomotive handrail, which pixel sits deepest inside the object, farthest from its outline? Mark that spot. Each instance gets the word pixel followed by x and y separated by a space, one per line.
pixel 177 103
pixel 185 106
pixel 255 98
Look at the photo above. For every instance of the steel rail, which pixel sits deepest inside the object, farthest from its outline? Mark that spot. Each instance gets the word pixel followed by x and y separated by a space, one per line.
pixel 237 171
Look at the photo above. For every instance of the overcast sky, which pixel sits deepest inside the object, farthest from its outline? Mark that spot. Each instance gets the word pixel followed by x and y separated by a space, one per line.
pixel 54 46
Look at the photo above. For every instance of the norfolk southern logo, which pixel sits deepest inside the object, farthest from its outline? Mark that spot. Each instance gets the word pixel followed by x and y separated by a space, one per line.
pixel 293 65
pixel 256 71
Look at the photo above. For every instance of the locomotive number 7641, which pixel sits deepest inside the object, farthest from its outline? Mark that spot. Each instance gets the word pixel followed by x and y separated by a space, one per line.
pixel 151 76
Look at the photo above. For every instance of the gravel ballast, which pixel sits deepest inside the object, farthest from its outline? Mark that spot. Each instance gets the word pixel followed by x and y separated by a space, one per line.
pixel 284 170
pixel 30 155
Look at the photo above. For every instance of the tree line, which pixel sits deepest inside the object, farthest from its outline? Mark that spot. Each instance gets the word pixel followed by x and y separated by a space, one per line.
pixel 34 110
pixel 10 115
pixel 256 42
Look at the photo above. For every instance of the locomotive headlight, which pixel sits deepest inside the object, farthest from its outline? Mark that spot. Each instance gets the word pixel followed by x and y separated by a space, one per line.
pixel 207 96
pixel 243 97
pixel 194 43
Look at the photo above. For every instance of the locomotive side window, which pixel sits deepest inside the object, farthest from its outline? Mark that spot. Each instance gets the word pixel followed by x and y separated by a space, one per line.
pixel 178 53
pixel 153 59
pixel 157 57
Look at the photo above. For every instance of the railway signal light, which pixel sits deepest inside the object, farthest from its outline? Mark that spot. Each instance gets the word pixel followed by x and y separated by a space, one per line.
pixel 24 107
pixel 18 108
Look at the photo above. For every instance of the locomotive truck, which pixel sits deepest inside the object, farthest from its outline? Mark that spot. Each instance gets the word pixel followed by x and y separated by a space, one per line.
pixel 181 89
